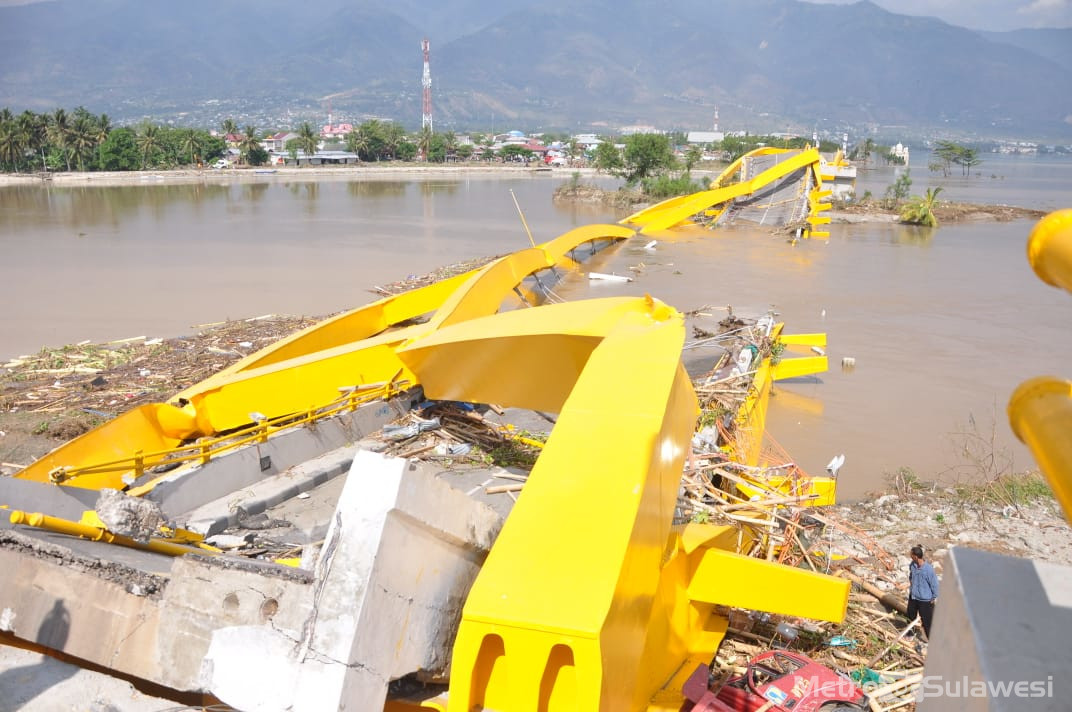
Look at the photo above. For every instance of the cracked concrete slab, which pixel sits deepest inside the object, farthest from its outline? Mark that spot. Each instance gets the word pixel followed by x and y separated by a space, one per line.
pixel 392 576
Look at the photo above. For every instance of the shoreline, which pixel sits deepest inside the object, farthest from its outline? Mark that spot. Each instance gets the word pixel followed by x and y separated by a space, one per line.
pixel 180 176
pixel 947 211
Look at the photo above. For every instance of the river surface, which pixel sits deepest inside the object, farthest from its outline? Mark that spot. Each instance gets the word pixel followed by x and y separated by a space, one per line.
pixel 942 325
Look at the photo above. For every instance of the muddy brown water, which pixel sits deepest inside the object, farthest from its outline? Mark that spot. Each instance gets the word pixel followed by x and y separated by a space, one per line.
pixel 942 325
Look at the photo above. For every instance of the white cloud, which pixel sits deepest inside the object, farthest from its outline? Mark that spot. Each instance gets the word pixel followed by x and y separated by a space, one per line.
pixel 1047 13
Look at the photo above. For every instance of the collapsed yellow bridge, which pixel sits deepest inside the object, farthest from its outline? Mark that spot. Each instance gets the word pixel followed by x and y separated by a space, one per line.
pixel 569 611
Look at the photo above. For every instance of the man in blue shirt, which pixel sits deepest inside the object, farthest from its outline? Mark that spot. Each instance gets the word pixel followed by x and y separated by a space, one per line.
pixel 922 589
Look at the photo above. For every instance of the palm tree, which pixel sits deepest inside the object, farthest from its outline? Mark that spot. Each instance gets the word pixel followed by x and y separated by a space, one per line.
pixel 250 141
pixel 308 138
pixel 393 136
pixel 35 128
pixel 11 144
pixel 58 130
pixel 190 145
pixel 104 127
pixel 229 127
pixel 920 210
pixel 148 140
pixel 83 137
pixel 424 142
pixel 357 142
pixel 450 143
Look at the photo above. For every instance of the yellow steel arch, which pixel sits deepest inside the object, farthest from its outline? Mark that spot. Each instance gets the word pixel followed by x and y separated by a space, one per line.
pixel 677 210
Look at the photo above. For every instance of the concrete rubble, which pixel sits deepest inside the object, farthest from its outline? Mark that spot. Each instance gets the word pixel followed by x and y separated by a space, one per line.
pixel 389 549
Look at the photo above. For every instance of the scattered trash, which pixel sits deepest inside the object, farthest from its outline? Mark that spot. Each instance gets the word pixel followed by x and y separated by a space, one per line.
pixel 848 362
pixel 609 277
pixel 229 541
pixel 303 495
pixel 144 372
pixel 245 344
pixel 154 342
pixel 453 449
pixel 840 641
pixel 651 245
pixel 835 464
pixel 818 350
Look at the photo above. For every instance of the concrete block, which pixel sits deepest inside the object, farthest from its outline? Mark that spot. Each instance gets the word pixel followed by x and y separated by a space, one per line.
pixel 1000 637
pixel 400 556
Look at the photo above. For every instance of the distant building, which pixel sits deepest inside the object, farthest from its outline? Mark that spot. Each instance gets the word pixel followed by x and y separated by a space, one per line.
pixel 704 137
pixel 639 129
pixel 587 141
pixel 277 143
pixel 336 130
pixel 320 158
pixel 901 152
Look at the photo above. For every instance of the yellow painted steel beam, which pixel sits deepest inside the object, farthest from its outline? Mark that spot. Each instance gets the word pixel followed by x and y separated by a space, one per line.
pixel 65 526
pixel 354 325
pixel 730 579
pixel 556 616
pixel 307 370
pixel 796 367
pixel 817 339
pixel 488 360
pixel 1040 410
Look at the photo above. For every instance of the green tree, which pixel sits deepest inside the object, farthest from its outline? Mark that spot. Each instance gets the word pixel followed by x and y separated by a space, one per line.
pixel 898 190
pixel 406 150
pixel 59 128
pixel 190 145
pixel 148 142
pixel 515 152
pixel 951 153
pixel 393 137
pixel 465 152
pixel 693 156
pixel 82 137
pixel 646 155
pixel 450 145
pixel 437 149
pixel 356 142
pixel 34 127
pixel 608 158
pixel 424 141
pixel 573 148
pixel 308 139
pixel 229 127
pixel 920 210
pixel 120 152
pixel 102 126
pixel 12 147
pixel 251 140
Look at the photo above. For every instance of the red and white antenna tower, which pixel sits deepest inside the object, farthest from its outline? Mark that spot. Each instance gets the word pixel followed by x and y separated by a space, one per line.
pixel 426 83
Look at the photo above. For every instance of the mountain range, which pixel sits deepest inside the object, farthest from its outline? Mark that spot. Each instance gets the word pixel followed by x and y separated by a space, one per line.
pixel 571 64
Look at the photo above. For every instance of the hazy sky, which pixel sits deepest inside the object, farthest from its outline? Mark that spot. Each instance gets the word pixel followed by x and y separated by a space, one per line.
pixel 983 14
pixel 976 14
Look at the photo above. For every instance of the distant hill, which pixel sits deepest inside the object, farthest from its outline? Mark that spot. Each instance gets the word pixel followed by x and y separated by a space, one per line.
pixel 1054 45
pixel 765 64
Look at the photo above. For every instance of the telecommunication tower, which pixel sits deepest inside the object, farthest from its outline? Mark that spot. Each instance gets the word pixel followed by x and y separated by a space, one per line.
pixel 426 83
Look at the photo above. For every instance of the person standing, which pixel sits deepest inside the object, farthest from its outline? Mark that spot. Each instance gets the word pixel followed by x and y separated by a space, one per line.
pixel 922 589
